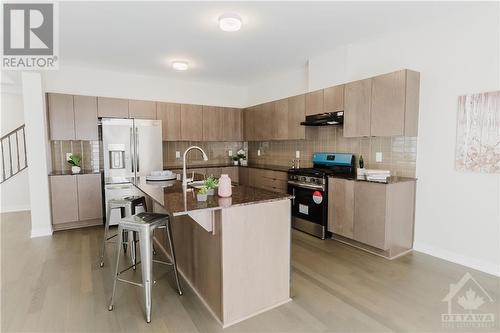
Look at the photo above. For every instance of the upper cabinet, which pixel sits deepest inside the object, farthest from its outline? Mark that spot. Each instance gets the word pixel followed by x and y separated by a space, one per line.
pixel 61 117
pixel 232 120
pixel 279 120
pixel 191 122
pixel 314 102
pixel 170 116
pixel 85 108
pixel 112 107
pixel 333 99
pixel 394 104
pixel 142 109
pixel 72 117
pixel 296 114
pixel 357 108
pixel 213 123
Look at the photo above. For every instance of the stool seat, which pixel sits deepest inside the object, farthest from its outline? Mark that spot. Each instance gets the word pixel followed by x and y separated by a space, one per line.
pixel 144 218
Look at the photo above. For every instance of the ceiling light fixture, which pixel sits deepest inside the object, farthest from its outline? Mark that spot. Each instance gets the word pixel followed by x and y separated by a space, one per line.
pixel 230 22
pixel 180 65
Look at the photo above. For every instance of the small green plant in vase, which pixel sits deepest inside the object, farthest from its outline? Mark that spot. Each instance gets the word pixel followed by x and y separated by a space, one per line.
pixel 211 183
pixel 242 157
pixel 236 159
pixel 75 160
pixel 202 194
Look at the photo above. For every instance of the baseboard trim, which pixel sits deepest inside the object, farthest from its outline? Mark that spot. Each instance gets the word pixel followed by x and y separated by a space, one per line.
pixel 15 208
pixel 473 263
pixel 41 232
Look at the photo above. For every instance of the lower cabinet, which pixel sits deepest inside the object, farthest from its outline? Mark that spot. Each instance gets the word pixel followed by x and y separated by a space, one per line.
pixel 270 180
pixel 341 207
pixel 380 216
pixel 76 200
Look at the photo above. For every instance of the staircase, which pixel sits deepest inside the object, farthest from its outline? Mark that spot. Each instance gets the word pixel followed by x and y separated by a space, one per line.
pixel 13 153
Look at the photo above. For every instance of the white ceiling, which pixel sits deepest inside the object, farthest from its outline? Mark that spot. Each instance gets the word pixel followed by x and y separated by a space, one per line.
pixel 144 37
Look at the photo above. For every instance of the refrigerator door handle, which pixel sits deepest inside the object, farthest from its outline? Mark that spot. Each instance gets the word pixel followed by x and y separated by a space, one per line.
pixel 132 156
pixel 137 147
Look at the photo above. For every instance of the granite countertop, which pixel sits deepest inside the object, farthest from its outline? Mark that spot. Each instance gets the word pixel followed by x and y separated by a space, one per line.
pixel 69 173
pixel 391 180
pixel 178 201
pixel 224 165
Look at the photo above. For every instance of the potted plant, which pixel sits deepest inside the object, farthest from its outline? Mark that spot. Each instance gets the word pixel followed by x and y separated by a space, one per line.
pixel 202 194
pixel 242 156
pixel 75 161
pixel 236 159
pixel 210 183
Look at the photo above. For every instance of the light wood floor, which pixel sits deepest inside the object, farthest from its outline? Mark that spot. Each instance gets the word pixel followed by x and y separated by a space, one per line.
pixel 54 284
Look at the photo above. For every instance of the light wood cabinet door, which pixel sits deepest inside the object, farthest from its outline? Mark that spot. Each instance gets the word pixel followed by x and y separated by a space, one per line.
pixel 232 172
pixel 64 199
pixel 243 176
pixel 251 117
pixel 89 196
pixel 341 207
pixel 333 98
pixel 314 102
pixel 388 104
pixel 213 129
pixel 61 117
pixel 265 121
pixel 357 99
pixel 85 108
pixel 170 116
pixel 112 107
pixel 191 122
pixel 412 102
pixel 232 120
pixel 296 114
pixel 279 125
pixel 142 109
pixel 370 214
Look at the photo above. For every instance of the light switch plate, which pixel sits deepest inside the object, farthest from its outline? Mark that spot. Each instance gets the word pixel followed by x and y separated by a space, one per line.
pixel 230 153
pixel 177 154
pixel 378 156
pixel 258 152
pixel 68 156
pixel 297 154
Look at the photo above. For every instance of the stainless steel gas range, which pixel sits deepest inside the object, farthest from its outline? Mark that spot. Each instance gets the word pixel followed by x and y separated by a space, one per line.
pixel 309 186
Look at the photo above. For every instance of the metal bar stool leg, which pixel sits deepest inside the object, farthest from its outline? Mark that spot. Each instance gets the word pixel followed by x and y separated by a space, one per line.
pixel 174 261
pixel 105 239
pixel 115 277
pixel 133 250
pixel 145 241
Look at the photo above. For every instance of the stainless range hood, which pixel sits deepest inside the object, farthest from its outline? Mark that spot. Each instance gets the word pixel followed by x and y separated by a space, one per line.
pixel 324 119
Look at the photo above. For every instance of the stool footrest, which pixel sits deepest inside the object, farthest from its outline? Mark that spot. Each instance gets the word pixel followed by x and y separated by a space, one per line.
pixel 130 282
pixel 162 262
pixel 126 269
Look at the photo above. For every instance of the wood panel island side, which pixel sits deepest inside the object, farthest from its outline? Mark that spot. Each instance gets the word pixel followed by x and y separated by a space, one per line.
pixel 233 252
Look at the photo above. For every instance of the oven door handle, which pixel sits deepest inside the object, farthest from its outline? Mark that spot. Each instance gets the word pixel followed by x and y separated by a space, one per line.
pixel 312 187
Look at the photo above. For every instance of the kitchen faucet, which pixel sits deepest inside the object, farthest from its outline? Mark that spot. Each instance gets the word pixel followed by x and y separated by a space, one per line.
pixel 185 180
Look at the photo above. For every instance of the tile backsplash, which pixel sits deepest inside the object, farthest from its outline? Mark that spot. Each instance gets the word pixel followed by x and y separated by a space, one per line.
pixel 217 152
pixel 398 153
pixel 88 150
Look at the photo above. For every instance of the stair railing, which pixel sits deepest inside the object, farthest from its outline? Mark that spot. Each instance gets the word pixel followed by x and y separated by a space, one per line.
pixel 13 151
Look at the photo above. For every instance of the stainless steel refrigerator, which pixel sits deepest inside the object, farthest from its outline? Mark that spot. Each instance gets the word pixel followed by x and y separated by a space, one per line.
pixel 131 148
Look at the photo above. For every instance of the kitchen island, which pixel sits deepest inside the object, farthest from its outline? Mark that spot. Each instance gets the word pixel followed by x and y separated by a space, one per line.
pixel 233 252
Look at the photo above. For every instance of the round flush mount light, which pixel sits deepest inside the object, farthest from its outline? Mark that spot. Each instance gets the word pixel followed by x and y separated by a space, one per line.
pixel 230 22
pixel 180 65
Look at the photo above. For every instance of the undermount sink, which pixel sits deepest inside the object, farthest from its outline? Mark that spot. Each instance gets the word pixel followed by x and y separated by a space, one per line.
pixel 197 184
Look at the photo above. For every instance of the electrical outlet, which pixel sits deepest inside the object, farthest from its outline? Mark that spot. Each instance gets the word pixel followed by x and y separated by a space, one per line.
pixel 177 154
pixel 258 152
pixel 297 154
pixel 230 153
pixel 378 156
pixel 68 155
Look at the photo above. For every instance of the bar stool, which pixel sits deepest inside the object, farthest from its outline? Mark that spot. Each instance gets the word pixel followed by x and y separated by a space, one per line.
pixel 145 224
pixel 127 207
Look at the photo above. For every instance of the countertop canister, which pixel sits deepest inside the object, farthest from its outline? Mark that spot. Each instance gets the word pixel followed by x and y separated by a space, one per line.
pixel 225 186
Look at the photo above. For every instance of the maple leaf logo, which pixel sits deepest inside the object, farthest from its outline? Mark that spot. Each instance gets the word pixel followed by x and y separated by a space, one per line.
pixel 470 301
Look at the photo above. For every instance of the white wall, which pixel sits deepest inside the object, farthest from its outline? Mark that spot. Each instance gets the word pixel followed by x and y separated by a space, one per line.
pixel 95 82
pixel 457 215
pixel 14 192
